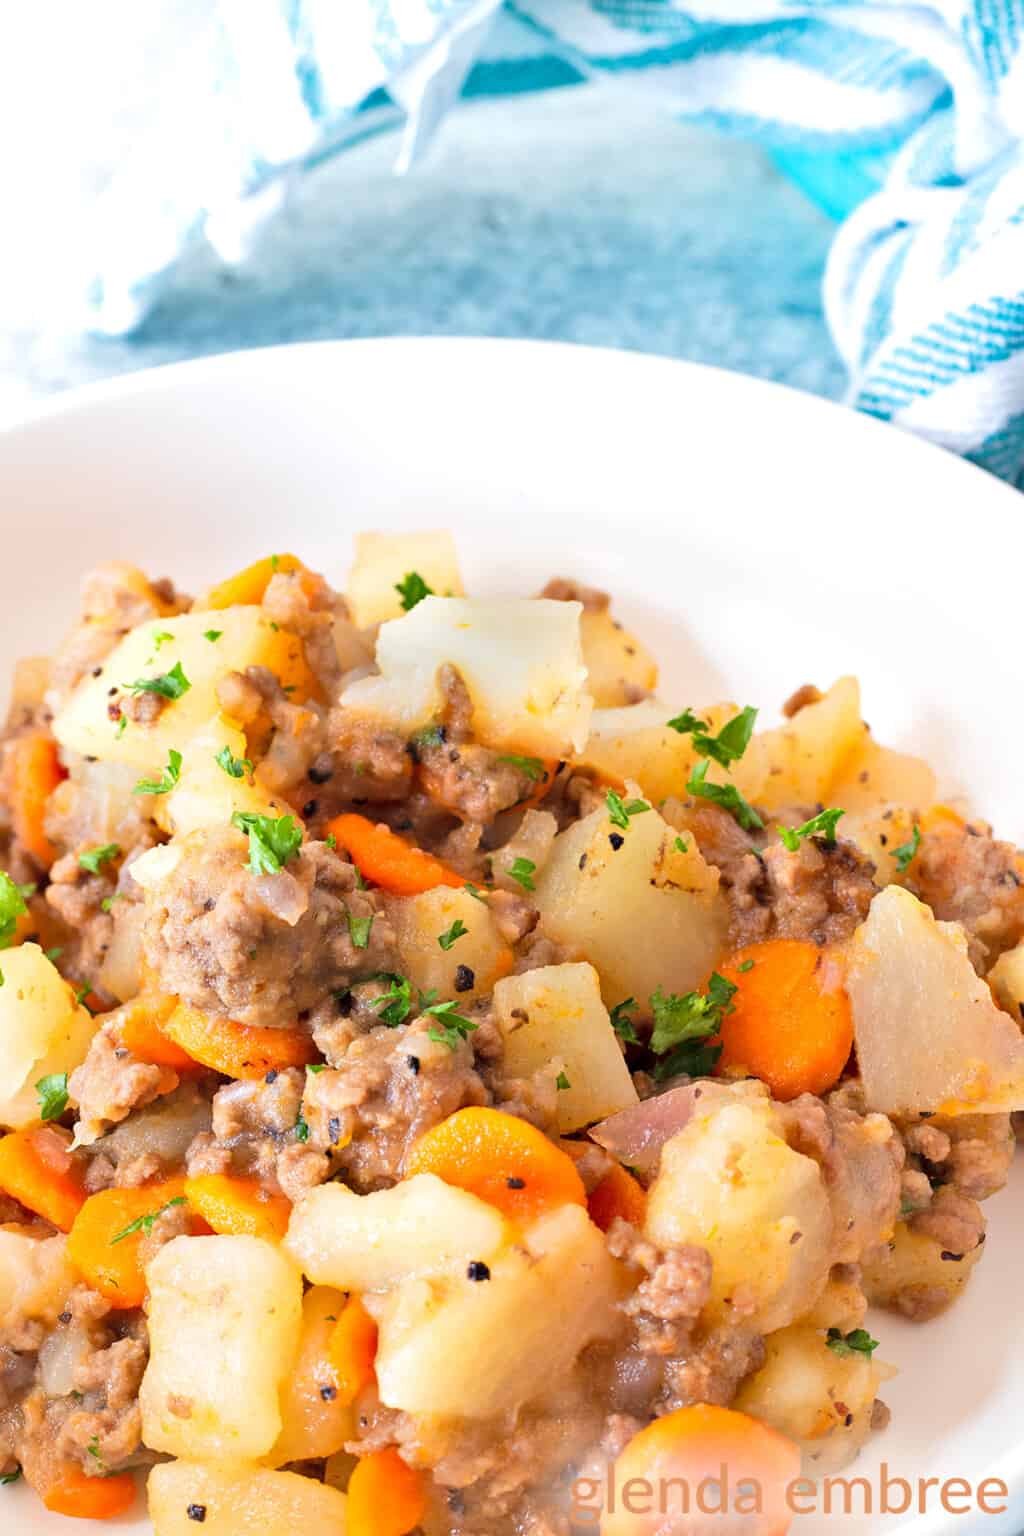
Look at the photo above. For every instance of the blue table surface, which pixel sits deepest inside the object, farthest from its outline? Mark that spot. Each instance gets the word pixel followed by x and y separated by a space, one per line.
pixel 585 215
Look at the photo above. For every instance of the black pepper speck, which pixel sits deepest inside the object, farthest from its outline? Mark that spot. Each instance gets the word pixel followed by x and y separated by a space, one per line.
pixel 465 978
pixel 413 1063
pixel 478 1270
pixel 197 1512
pixel 616 839
pixel 310 809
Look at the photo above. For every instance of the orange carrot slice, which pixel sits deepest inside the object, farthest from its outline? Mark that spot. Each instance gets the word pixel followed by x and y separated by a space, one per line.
pixel 140 1030
pixel 235 1206
pixel 238 1050
pixel 89 1498
pixel 105 1241
pixel 387 860
pixel 792 1025
pixel 352 1350
pixel 35 772
pixel 37 1170
pixel 385 1496
pixel 618 1196
pixel 248 586
pixel 501 1159
pixel 676 1453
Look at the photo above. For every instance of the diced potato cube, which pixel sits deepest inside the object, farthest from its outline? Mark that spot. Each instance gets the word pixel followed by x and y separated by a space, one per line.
pixel 818 1398
pixel 909 1274
pixel 225 1315
pixel 636 743
pixel 875 777
pixel 246 639
pixel 42 1031
pixel 520 659
pixel 35 1277
pixel 206 794
pixel 878 833
pixel 239 1500
pixel 419 922
pixel 312 1424
pixel 954 1051
pixel 459 1348
pixel 368 1242
pixel 618 665
pixel 385 559
pixel 555 1013
pixel 730 1183
pixel 798 763
pixel 644 913
pixel 1006 978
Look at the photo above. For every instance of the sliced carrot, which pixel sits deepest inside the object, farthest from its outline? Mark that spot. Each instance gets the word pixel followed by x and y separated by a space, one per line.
pixel 352 1349
pixel 89 1498
pixel 386 1497
pixel 237 1206
pixel 501 1159
pixel 387 860
pixel 140 1030
pixel 618 1196
pixel 37 1170
pixel 248 586
pixel 109 1262
pixel 238 1050
pixel 792 1025
pixel 672 1456
pixel 35 772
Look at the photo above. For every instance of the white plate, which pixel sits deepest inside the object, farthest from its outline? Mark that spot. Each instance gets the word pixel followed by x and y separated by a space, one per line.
pixel 757 538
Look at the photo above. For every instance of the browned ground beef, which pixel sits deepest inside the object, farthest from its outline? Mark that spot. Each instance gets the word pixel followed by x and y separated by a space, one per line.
pixel 255 1130
pixel 215 942
pixel 564 590
pixel 952 1220
pixel 111 1083
pixel 471 782
pixel 861 1159
pixel 675 1284
pixel 967 877
pixel 111 606
pixel 820 893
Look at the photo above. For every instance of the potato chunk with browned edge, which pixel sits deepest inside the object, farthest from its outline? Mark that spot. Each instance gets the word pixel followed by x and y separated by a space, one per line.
pixel 239 1500
pixel 42 1031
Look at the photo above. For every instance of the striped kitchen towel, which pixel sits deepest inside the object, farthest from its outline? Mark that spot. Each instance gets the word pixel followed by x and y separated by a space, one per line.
pixel 904 117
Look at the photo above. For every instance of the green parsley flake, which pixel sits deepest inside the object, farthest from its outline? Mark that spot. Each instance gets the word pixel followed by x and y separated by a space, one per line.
pixel 10 1477
pixel 330 841
pixel 684 1023
pixel 359 930
pixel 273 840
pixel 167 780
pixel 748 965
pixel 457 930
pixel 81 993
pixel 94 857
pixel 622 1023
pixel 301 1128
pixel 725 795
pixel 680 846
pixel 730 743
pixel 161 638
pixel 412 589
pixel 122 726
pixel 474 891
pixel 12 906
pixel 562 1083
pixel 234 767
pixel 430 736
pixel 822 825
pixel 145 1223
pixel 54 954
pixel 532 767
pixel 213 635
pixel 317 1066
pixel 619 810
pixel 53 1095
pixel 453 1027
pixel 858 1342
pixel 169 685
pixel 108 901
pixel 522 872
pixel 906 852
pixel 394 1005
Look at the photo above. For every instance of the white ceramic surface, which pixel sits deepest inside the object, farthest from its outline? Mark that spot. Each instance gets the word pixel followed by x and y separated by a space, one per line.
pixel 757 538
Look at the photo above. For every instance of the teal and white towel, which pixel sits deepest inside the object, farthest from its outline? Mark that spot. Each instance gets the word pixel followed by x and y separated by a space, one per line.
pixel 904 119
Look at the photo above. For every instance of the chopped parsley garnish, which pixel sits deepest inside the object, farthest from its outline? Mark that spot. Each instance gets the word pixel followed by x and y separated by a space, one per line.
pixel 622 1023
pixel 145 1223
pixel 53 1095
pixel 122 726
pixel 94 857
pixel 523 871
pixel 619 810
pixel 234 767
pixel 412 589
pixel 169 685
pixel 394 1005
pixel 907 851
pixel 167 780
pixel 562 1083
pixel 859 1342
pixel 94 1444
pixel 474 891
pixel 683 1023
pixel 301 1128
pixel 725 795
pixel 330 841
pixel 161 638
pixel 81 993
pixel 10 1477
pixel 730 743
pixel 533 767
pixel 12 905
pixel 457 931
pixel 317 1066
pixel 273 840
pixel 212 635
pixel 54 954
pixel 453 1027
pixel 359 930
pixel 748 965
pixel 822 825
pixel 680 846
pixel 430 736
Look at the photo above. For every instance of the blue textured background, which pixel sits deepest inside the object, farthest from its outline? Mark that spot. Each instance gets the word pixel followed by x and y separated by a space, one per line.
pixel 582 215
